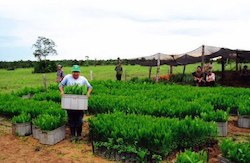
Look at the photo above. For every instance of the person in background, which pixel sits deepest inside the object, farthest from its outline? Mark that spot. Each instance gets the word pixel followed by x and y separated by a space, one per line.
pixel 119 71
pixel 210 65
pixel 245 75
pixel 75 117
pixel 198 77
pixel 60 74
pixel 210 79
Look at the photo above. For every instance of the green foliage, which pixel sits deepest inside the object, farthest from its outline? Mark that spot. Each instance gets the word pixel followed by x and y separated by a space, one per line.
pixel 237 152
pixel 157 157
pixel 45 67
pixel 53 87
pixel 49 122
pixel 76 89
pixel 29 90
pixel 50 95
pixel 141 81
pixel 217 116
pixel 159 135
pixel 192 157
pixel 244 108
pixel 12 105
pixel 22 118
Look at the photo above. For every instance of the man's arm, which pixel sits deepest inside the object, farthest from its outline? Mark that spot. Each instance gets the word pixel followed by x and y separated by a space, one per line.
pixel 63 83
pixel 88 86
pixel 61 90
pixel 89 91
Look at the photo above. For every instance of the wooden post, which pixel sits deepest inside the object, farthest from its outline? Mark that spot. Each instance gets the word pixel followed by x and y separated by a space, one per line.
pixel 202 58
pixel 223 67
pixel 44 81
pixel 158 68
pixel 91 75
pixel 149 73
pixel 237 65
pixel 183 73
pixel 236 62
pixel 125 75
pixel 240 67
pixel 171 70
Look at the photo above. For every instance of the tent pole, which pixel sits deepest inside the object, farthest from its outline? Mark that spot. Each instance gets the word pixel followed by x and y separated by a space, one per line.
pixel 183 73
pixel 158 68
pixel 222 67
pixel 171 69
pixel 237 63
pixel 202 58
pixel 149 73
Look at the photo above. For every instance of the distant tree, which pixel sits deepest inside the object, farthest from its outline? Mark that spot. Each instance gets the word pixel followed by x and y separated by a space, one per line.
pixel 87 60
pixel 44 47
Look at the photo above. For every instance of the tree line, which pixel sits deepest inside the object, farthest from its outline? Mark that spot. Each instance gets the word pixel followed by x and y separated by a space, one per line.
pixel 12 65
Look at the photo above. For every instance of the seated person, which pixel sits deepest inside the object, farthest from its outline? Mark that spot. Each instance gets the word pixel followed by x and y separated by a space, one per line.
pixel 245 74
pixel 210 79
pixel 198 76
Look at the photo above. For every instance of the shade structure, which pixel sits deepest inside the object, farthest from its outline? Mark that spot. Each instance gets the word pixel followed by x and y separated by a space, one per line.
pixel 194 56
pixel 152 59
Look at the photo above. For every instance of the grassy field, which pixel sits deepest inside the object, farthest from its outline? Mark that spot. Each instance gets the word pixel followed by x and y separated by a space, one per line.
pixel 19 78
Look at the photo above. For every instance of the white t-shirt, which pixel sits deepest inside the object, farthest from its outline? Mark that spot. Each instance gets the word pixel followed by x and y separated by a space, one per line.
pixel 212 76
pixel 69 80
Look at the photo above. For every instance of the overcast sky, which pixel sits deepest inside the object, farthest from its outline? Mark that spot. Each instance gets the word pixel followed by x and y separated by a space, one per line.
pixel 107 29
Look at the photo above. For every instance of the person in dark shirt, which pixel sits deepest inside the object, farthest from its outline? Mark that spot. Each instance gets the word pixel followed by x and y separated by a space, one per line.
pixel 60 74
pixel 119 71
pixel 198 77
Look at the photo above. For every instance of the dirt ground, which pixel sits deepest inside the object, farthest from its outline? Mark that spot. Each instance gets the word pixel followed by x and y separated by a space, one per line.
pixel 28 150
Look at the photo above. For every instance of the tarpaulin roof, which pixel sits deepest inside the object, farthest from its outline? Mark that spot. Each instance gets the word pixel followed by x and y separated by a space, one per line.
pixel 193 56
pixel 152 59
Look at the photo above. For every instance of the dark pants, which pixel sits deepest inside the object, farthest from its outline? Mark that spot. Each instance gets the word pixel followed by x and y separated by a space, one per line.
pixel 210 84
pixel 75 121
pixel 118 77
pixel 197 83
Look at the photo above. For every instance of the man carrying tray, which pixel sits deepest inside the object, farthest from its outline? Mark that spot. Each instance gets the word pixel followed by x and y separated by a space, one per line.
pixel 75 117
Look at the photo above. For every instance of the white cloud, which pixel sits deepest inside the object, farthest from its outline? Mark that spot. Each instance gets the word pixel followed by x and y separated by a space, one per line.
pixel 126 29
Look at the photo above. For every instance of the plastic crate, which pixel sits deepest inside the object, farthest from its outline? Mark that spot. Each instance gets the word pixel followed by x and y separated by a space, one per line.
pixel 21 129
pixel 36 131
pixel 74 102
pixel 52 137
pixel 244 121
pixel 222 128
